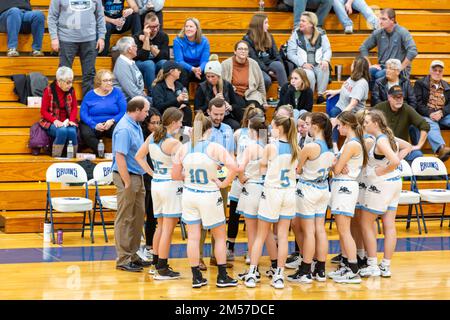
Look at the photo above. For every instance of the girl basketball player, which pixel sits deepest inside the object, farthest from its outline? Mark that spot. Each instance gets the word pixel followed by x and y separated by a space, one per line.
pixel 202 202
pixel 241 140
pixel 344 192
pixel 166 193
pixel 313 196
pixel 384 186
pixel 277 203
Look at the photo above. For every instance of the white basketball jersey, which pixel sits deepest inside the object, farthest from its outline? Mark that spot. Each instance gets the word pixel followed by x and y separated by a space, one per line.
pixel 253 171
pixel 317 170
pixel 281 170
pixel 354 164
pixel 381 161
pixel 162 162
pixel 199 169
pixel 242 143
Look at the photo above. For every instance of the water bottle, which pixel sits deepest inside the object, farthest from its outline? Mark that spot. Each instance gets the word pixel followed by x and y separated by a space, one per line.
pixel 184 90
pixel 47 231
pixel 261 5
pixel 101 149
pixel 119 27
pixel 70 150
pixel 59 237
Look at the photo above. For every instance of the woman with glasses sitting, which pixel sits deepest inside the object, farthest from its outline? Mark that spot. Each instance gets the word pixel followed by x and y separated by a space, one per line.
pixel 101 109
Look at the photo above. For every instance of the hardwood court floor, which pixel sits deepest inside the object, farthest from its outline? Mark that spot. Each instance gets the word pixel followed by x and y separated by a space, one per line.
pixel 78 270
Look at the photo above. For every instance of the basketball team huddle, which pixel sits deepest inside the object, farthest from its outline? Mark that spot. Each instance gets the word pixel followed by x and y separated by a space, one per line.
pixel 285 176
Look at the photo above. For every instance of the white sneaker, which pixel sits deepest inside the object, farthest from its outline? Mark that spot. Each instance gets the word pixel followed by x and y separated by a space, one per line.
pixel 241 276
pixel 293 261
pixel 300 277
pixel 142 255
pixel 148 253
pixel 348 277
pixel 277 281
pixel 250 280
pixel 385 270
pixel 271 272
pixel 370 271
pixel 348 30
pixel 337 273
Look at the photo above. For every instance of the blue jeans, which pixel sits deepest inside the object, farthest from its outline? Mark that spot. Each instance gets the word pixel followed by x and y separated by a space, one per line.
pixel 149 70
pixel 434 135
pixel 323 8
pixel 333 112
pixel 375 74
pixel 132 22
pixel 14 21
pixel 63 134
pixel 358 5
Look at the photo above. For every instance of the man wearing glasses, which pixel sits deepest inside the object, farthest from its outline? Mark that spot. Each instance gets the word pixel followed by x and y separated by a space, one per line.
pixel 153 50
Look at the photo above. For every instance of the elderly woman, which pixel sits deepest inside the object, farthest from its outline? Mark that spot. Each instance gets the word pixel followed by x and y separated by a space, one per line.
pixel 191 51
pixel 309 48
pixel 214 87
pixel 393 76
pixel 101 109
pixel 59 111
pixel 127 75
pixel 245 76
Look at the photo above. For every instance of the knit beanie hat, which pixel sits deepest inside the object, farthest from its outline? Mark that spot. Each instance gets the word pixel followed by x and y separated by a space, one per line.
pixel 214 66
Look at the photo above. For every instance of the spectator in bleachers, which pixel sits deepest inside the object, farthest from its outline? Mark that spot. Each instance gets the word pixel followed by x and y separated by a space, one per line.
pixel 147 6
pixel 297 93
pixel 215 87
pixel 400 117
pixel 168 91
pixel 343 8
pixel 353 94
pixel 393 77
pixel 191 51
pixel 17 16
pixel 153 50
pixel 309 48
pixel 263 49
pixel 59 111
pixel 245 76
pixel 83 34
pixel 126 73
pixel 433 103
pixel 101 109
pixel 322 8
pixel 392 41
pixel 120 20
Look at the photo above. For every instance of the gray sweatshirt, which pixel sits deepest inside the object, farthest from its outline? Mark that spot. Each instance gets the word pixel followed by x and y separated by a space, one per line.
pixel 76 20
pixel 128 78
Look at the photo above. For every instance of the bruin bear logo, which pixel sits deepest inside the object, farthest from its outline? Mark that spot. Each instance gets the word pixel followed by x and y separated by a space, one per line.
pixel 263 196
pixel 219 201
pixel 244 191
pixel 106 171
pixel 179 191
pixel 80 5
pixel 66 171
pixel 374 189
pixel 362 186
pixel 299 193
pixel 426 165
pixel 344 190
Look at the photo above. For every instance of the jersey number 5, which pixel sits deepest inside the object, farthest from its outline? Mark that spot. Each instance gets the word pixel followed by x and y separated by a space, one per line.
pixel 285 178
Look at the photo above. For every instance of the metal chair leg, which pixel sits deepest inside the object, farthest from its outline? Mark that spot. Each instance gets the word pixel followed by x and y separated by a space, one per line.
pixel 418 220
pixel 52 224
pixel 84 224
pixel 408 218
pixel 91 226
pixel 103 221
pixel 442 216
pixel 423 218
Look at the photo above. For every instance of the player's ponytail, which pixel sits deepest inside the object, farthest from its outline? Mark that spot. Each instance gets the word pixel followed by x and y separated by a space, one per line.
pixel 258 124
pixel 171 114
pixel 201 125
pixel 378 117
pixel 322 121
pixel 290 129
pixel 250 112
pixel 349 118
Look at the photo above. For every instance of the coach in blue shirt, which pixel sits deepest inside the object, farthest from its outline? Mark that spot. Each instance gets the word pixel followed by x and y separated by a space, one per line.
pixel 127 177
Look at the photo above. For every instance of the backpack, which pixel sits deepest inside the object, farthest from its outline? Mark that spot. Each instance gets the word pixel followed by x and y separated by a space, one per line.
pixel 38 139
pixel 288 64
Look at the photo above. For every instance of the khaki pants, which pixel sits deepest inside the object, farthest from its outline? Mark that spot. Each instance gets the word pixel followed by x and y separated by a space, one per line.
pixel 224 193
pixel 129 218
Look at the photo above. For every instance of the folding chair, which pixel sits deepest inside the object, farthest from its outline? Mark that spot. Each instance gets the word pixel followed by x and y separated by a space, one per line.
pixel 68 173
pixel 410 198
pixel 431 166
pixel 103 175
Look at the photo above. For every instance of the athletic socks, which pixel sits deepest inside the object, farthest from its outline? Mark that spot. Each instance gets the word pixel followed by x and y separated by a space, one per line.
pixel 320 266
pixel 345 261
pixel 230 245
pixel 353 265
pixel 196 273
pixel 274 263
pixel 361 253
pixel 162 264
pixel 222 270
pixel 386 262
pixel 155 259
pixel 372 261
pixel 305 268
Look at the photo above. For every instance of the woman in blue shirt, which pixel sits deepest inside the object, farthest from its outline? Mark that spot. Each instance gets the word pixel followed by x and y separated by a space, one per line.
pixel 191 50
pixel 101 109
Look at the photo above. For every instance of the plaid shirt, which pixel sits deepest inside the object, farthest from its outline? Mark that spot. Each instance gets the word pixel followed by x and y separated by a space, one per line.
pixel 436 101
pixel 53 106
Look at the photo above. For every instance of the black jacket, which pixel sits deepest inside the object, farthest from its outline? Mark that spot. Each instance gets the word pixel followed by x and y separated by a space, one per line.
pixel 21 4
pixel 164 97
pixel 264 58
pixel 380 92
pixel 304 102
pixel 205 93
pixel 161 40
pixel 422 92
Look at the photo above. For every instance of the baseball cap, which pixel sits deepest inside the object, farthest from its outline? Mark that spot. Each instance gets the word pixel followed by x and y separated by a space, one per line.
pixel 435 63
pixel 395 90
pixel 169 65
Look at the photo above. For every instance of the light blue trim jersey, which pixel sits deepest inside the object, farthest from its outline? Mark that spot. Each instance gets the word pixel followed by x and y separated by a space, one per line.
pixel 162 162
pixel 280 170
pixel 317 170
pixel 242 143
pixel 354 164
pixel 373 162
pixel 199 169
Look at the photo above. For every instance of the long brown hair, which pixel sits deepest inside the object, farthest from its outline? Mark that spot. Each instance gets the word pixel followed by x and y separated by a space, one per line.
pixel 322 121
pixel 256 33
pixel 290 129
pixel 251 111
pixel 201 125
pixel 302 74
pixel 378 117
pixel 171 114
pixel 348 118
pixel 360 69
pixel 198 34
pixel 258 123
